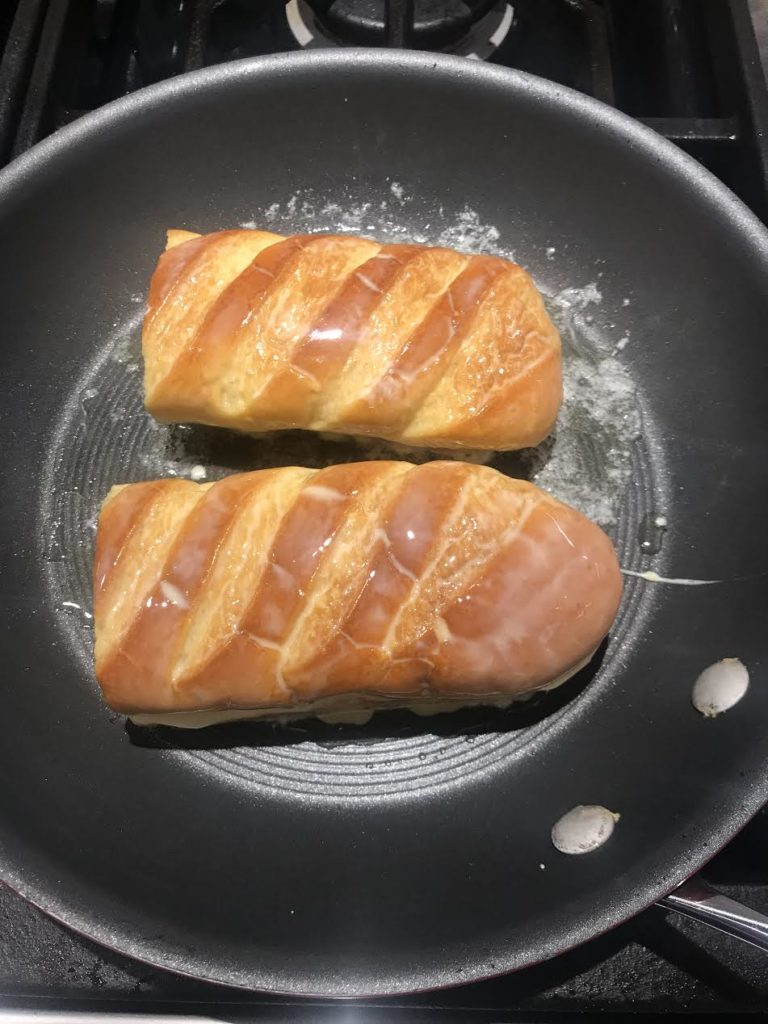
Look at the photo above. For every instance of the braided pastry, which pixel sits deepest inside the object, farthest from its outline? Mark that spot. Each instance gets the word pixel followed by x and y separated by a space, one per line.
pixel 419 345
pixel 358 586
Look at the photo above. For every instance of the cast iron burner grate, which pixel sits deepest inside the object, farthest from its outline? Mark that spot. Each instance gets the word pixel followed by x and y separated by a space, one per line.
pixel 704 89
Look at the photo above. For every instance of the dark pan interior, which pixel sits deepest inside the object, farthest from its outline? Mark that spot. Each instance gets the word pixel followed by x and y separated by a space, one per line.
pixel 411 852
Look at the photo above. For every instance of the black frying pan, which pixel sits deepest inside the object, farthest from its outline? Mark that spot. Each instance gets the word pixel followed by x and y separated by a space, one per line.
pixel 413 852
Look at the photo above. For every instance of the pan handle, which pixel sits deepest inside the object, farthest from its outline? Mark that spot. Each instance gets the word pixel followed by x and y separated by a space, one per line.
pixel 699 901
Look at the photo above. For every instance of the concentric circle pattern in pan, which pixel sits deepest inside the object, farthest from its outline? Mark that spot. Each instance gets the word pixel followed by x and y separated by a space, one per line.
pixel 408 852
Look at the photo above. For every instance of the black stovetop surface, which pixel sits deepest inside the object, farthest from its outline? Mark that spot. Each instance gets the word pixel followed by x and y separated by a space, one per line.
pixel 689 68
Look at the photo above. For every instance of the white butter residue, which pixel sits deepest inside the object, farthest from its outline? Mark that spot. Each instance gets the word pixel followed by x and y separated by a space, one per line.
pixel 719 687
pixel 323 493
pixel 173 595
pixel 198 473
pixel 395 218
pixel 442 630
pixel 578 298
pixel 75 607
pixel 590 463
pixel 584 829
pixel 653 577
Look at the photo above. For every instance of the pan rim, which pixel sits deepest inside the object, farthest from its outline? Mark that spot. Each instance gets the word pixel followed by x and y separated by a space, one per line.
pixel 707 188
pixel 601 113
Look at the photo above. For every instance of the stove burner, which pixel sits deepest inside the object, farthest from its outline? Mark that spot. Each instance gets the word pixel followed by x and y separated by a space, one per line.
pixel 469 28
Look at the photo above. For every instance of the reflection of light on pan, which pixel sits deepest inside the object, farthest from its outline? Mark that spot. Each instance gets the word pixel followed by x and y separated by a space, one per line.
pixel 479 43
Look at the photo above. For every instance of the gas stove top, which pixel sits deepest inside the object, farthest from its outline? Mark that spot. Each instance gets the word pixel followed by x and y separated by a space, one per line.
pixel 690 69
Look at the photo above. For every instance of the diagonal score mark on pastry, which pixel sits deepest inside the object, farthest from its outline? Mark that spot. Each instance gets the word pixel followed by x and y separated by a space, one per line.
pixel 300 572
pixel 296 591
pixel 423 345
pixel 189 278
pixel 222 526
pixel 422 361
pixel 319 357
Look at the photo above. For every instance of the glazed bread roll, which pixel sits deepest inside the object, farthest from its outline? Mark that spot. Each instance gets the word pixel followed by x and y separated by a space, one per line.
pixel 424 346
pixel 296 591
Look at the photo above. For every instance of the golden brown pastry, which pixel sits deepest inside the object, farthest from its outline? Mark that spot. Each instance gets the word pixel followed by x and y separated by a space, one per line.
pixel 419 345
pixel 361 585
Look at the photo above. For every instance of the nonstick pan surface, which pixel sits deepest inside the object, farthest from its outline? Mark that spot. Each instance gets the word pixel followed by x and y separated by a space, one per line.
pixel 412 852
